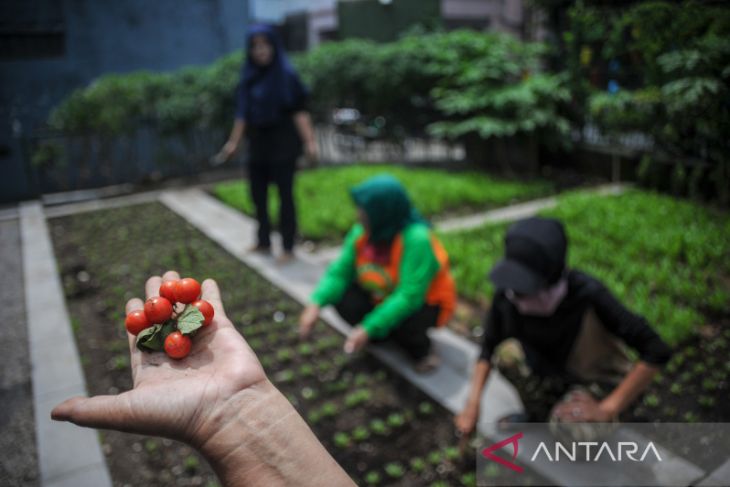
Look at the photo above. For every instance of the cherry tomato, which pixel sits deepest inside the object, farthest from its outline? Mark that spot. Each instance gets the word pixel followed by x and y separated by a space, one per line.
pixel 167 290
pixel 158 309
pixel 206 309
pixel 187 290
pixel 177 345
pixel 137 321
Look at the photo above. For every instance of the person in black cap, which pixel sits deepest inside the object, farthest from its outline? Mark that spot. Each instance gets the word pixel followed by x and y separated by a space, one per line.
pixel 570 362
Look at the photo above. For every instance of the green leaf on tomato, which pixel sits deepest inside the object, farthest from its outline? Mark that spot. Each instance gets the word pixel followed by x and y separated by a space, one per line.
pixel 151 339
pixel 190 320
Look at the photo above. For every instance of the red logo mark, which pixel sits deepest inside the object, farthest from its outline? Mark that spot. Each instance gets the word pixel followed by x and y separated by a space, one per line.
pixel 487 452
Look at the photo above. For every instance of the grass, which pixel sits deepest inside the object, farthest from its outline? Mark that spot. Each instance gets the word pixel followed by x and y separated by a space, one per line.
pixel 325 210
pixel 667 259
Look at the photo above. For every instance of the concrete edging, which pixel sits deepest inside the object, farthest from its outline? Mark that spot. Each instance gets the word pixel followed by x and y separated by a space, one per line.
pixel 68 456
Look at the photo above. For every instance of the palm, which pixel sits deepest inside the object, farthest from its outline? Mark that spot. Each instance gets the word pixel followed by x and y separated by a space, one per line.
pixel 172 393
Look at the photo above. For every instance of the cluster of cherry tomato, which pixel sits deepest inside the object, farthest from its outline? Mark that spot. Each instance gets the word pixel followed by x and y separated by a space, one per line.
pixel 157 325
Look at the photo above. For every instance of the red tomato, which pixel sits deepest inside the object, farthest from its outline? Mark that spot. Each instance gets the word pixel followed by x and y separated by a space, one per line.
pixel 158 309
pixel 167 290
pixel 206 308
pixel 137 321
pixel 187 290
pixel 177 345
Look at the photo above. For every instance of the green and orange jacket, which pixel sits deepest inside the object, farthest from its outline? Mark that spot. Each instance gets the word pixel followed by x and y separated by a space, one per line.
pixel 417 274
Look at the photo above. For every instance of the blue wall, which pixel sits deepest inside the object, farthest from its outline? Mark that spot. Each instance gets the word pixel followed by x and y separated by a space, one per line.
pixel 104 37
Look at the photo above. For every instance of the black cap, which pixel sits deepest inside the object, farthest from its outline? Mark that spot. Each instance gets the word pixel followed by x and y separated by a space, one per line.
pixel 535 251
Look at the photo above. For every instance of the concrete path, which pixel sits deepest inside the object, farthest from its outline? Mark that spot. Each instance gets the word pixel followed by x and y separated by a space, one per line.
pixel 449 385
pixel 516 211
pixel 68 456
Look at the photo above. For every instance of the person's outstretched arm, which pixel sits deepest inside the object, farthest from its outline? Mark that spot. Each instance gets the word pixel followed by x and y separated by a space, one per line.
pixel 303 122
pixel 466 421
pixel 219 401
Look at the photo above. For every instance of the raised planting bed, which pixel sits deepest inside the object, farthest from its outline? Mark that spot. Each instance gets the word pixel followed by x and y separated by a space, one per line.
pixel 665 258
pixel 381 429
pixel 326 212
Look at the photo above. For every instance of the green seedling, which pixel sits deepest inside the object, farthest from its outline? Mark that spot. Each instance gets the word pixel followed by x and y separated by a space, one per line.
pixel 706 402
pixel 709 385
pixel 434 458
pixel 306 370
pixel 395 470
pixel 360 434
pixel 284 376
pixel 120 362
pixel 314 416
pixel 357 397
pixel 372 478
pixel 651 400
pixel 425 408
pixel 675 389
pixel 305 349
pixel 308 393
pixel 469 479
pixel 151 446
pixel 284 355
pixel 361 380
pixel 342 440
pixel 191 464
pixel 451 453
pixel 378 427
pixel 396 420
pixel 418 464
pixel 329 409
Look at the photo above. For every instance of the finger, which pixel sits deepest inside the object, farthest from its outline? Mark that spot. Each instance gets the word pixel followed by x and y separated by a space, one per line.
pixel 108 412
pixel 212 294
pixel 152 286
pixel 170 276
pixel 133 304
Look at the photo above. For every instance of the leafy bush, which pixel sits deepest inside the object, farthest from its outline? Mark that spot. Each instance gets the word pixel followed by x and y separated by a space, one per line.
pixel 432 191
pixel 665 258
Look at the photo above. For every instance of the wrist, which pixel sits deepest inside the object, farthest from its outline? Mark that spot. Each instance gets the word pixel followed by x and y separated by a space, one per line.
pixel 257 438
pixel 609 409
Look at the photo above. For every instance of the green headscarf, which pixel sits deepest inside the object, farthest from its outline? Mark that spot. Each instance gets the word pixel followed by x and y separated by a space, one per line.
pixel 386 203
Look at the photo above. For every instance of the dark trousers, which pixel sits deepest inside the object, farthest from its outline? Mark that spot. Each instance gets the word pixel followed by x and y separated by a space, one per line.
pixel 409 335
pixel 261 174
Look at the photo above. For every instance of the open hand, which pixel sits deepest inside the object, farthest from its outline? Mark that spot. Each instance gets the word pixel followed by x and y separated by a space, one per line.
pixel 356 340
pixel 179 399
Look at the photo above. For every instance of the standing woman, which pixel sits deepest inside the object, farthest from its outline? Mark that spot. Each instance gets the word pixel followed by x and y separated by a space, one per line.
pixel 271 114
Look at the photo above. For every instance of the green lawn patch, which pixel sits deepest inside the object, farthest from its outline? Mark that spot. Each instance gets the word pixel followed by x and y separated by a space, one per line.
pixel 667 259
pixel 325 210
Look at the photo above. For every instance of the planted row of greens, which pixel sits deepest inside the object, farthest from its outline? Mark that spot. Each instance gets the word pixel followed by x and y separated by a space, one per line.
pixel 381 429
pixel 666 258
pixel 325 210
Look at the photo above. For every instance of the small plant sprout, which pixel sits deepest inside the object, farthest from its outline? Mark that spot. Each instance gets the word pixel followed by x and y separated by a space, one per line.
pixel 675 389
pixel 314 416
pixel 151 446
pixel 306 370
pixel 360 434
pixel 342 440
pixel 284 376
pixel 378 427
pixel 361 380
pixel 425 408
pixel 451 453
pixel 305 349
pixel 706 401
pixel 191 464
pixel 329 409
pixel 357 397
pixel 396 420
pixel 395 470
pixel 469 479
pixel 418 464
pixel 434 458
pixel 372 478
pixel 308 393
pixel 709 385
pixel 651 400
pixel 284 355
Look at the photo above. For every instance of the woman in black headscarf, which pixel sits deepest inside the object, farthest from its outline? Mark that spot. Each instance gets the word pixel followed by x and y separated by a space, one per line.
pixel 271 114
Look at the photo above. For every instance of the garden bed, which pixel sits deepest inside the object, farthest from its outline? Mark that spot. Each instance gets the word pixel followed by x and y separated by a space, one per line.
pixel 381 429
pixel 435 192
pixel 665 258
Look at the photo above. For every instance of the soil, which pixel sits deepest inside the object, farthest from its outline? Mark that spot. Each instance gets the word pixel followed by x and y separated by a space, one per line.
pixel 104 259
